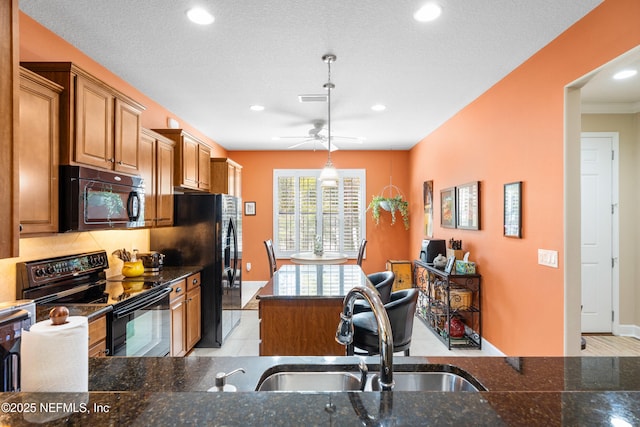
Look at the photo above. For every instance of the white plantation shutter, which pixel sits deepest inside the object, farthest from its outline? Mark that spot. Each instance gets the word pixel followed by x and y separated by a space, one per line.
pixel 304 209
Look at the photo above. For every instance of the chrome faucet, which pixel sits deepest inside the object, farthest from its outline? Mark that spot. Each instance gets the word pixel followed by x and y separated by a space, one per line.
pixel 344 334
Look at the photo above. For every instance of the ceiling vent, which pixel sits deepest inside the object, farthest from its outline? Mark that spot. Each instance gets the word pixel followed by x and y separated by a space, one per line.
pixel 313 98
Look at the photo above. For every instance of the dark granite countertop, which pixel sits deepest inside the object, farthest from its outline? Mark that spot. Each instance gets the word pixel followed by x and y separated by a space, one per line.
pixel 172 391
pixel 93 311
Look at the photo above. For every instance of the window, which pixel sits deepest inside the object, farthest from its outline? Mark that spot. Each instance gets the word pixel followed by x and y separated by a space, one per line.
pixel 304 209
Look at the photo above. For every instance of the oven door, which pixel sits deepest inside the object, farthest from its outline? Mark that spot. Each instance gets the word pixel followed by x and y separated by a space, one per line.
pixel 142 327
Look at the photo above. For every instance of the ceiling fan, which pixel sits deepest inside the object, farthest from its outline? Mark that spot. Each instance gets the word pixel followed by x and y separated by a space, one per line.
pixel 316 136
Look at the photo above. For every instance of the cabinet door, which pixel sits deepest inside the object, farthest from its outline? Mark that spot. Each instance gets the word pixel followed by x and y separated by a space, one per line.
pixel 193 317
pixel 94 124
pixel 164 183
pixel 238 181
pixel 204 160
pixel 148 173
pixel 178 332
pixel 127 137
pixel 38 156
pixel 98 337
pixel 190 161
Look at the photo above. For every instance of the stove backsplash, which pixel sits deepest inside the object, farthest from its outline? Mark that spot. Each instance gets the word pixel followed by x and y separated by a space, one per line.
pixel 70 243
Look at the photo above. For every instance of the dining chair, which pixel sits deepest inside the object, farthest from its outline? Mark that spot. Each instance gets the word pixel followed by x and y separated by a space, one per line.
pixel 363 244
pixel 268 244
pixel 401 310
pixel 383 282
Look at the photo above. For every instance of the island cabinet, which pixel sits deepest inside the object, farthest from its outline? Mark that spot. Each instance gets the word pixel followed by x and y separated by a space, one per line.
pixel 192 158
pixel 445 297
pixel 156 169
pixel 99 126
pixel 226 177
pixel 185 305
pixel 38 154
pixel 98 337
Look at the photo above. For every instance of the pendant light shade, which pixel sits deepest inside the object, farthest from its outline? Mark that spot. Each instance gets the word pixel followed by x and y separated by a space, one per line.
pixel 329 175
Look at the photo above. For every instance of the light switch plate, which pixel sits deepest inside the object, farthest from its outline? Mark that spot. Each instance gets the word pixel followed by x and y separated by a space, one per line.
pixel 548 257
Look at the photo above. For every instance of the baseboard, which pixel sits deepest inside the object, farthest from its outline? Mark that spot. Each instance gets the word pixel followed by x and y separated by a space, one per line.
pixel 489 349
pixel 627 331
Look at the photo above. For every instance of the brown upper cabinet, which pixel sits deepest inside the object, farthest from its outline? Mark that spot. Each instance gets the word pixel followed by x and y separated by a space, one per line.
pixel 99 126
pixel 226 177
pixel 191 160
pixel 38 153
pixel 156 169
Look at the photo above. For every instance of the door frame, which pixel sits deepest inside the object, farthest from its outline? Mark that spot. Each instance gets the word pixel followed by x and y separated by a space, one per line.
pixel 615 224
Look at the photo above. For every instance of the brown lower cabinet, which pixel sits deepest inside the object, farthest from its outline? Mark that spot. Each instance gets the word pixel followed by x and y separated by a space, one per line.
pixel 184 302
pixel 98 337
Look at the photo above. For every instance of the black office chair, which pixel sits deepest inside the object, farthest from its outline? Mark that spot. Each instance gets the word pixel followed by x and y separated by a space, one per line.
pixel 401 311
pixel 273 267
pixel 363 244
pixel 383 282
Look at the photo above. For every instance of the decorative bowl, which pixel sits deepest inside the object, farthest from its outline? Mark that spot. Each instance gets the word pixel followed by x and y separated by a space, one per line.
pixel 132 268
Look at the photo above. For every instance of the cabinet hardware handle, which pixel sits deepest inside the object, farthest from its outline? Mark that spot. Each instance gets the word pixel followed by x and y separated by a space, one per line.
pixel 178 290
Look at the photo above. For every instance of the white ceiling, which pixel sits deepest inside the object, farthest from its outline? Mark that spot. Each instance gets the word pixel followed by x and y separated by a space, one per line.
pixel 268 53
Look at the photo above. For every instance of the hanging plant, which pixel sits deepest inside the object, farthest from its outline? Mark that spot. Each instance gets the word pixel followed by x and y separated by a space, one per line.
pixel 391 204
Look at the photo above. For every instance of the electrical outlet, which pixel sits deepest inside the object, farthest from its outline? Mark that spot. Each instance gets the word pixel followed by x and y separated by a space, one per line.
pixel 248 266
pixel 548 257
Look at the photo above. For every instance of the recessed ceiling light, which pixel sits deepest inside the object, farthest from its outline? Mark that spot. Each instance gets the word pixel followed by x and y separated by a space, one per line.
pixel 378 107
pixel 625 74
pixel 428 12
pixel 275 138
pixel 200 16
pixel 256 108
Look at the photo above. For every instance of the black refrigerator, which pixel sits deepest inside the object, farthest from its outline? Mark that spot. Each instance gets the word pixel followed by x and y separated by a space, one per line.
pixel 207 232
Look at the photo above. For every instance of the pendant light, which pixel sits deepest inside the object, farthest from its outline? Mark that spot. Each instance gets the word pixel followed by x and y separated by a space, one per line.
pixel 329 175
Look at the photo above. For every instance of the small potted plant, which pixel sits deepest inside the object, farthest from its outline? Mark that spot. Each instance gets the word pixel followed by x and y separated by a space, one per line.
pixel 391 204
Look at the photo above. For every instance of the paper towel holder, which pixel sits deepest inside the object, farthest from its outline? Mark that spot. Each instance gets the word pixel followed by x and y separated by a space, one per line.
pixel 59 315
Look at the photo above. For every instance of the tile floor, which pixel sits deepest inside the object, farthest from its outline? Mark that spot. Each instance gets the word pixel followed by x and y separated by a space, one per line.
pixel 244 339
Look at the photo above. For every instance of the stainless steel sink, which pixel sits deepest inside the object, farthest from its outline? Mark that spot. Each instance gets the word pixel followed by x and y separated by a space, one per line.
pixel 310 381
pixel 327 378
pixel 426 381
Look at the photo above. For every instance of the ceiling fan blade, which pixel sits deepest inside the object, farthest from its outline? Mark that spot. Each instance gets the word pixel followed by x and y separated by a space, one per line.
pixel 294 137
pixel 326 146
pixel 352 139
pixel 300 143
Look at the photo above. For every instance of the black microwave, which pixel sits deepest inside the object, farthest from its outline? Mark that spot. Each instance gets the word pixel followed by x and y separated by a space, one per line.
pixel 92 199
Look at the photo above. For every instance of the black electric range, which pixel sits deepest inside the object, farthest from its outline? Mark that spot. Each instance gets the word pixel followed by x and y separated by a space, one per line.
pixel 139 322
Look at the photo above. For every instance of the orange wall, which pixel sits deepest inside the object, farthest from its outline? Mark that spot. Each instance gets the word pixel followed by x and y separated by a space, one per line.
pixel 514 132
pixel 37 43
pixel 385 241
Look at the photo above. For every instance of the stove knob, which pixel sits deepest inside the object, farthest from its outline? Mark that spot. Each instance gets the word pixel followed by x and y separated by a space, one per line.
pixel 50 269
pixel 39 272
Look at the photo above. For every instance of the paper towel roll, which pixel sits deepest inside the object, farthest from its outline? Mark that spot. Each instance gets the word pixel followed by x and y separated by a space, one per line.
pixel 55 358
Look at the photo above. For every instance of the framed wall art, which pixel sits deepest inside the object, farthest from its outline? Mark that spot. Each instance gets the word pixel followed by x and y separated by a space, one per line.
pixel 428 208
pixel 468 206
pixel 448 207
pixel 513 209
pixel 249 208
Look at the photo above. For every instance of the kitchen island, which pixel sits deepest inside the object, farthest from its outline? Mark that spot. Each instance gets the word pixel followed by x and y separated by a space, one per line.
pixel 172 391
pixel 299 309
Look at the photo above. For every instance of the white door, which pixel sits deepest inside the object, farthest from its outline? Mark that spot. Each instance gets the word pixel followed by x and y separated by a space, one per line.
pixel 596 246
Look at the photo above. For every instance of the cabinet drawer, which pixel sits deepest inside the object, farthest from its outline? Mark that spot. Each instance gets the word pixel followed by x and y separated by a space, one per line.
pixel 193 281
pixel 178 289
